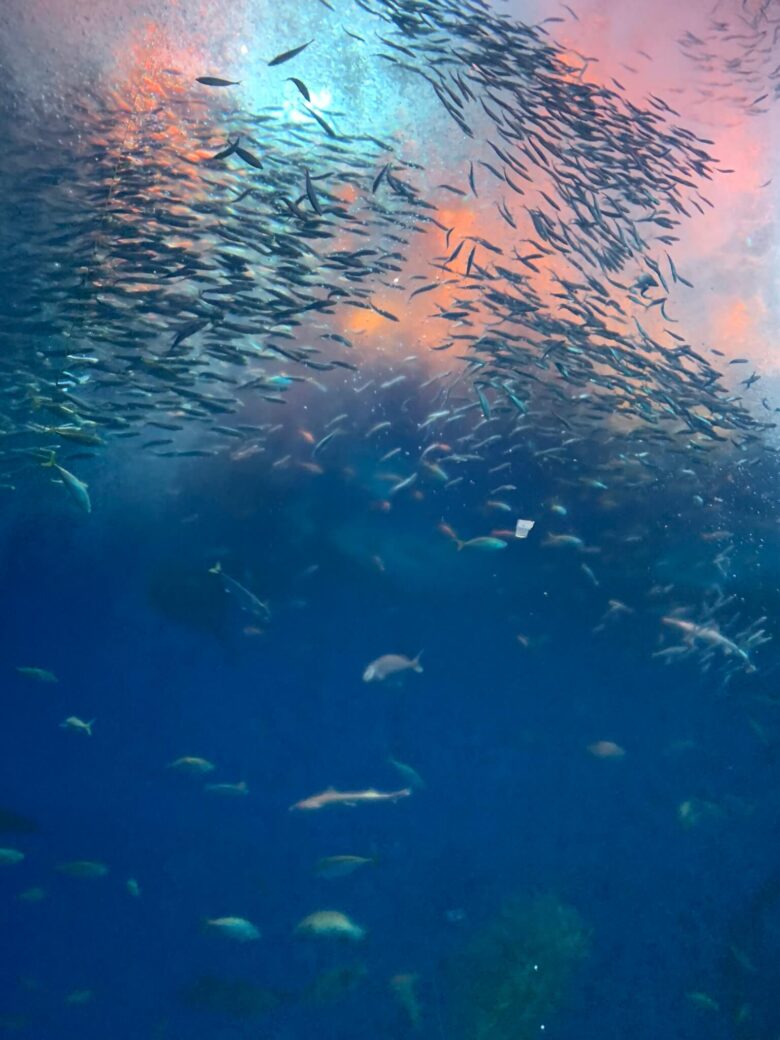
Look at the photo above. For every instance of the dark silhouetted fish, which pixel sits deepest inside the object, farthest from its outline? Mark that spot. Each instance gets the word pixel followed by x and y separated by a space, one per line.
pixel 215 81
pixel 280 59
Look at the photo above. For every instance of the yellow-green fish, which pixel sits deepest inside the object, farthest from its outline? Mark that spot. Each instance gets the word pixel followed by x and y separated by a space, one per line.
pixel 83 868
pixel 703 1001
pixel 485 543
pixel 38 674
pixel 75 723
pixel 341 866
pixel 79 996
pixel 191 764
pixel 410 776
pixel 32 895
pixel 8 857
pixel 330 923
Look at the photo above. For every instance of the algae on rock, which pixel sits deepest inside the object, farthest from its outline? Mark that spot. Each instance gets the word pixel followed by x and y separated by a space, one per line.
pixel 514 974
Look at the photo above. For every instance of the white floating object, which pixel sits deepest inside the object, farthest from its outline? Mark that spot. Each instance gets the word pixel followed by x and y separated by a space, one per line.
pixel 522 527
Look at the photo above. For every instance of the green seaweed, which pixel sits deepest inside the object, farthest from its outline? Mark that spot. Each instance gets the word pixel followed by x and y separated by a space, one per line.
pixel 515 973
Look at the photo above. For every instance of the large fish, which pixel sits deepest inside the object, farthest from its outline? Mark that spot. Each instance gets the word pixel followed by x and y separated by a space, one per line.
pixel 391 665
pixel 349 798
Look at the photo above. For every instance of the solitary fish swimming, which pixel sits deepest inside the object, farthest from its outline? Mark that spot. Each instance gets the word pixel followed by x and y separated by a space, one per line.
pixel 83 868
pixel 486 543
pixel 75 723
pixel 391 664
pixel 246 600
pixel 333 797
pixel 606 749
pixel 237 928
pixel 280 59
pixel 215 81
pixel 192 764
pixel 39 674
pixel 77 488
pixel 330 923
pixel 341 866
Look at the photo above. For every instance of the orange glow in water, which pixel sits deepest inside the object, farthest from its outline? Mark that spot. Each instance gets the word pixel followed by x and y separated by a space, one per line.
pixel 736 322
pixel 155 65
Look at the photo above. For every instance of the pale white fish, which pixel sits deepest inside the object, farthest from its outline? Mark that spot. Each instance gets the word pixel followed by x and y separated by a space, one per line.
pixel 230 790
pixel 237 928
pixel 77 489
pixel 330 923
pixel 391 664
pixel 77 724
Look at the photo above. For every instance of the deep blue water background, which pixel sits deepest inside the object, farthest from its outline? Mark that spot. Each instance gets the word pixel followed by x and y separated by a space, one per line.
pixel 513 803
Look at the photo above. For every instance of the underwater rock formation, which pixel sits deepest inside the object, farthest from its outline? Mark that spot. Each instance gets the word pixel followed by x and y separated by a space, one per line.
pixel 514 974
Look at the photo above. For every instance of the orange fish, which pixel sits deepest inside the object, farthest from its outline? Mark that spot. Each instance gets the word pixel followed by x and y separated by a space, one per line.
pixel 448 532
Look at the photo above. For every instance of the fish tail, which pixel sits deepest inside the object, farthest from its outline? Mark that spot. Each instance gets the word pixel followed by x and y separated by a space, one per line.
pixel 216 569
pixel 52 460
pixel 459 544
pixel 416 662
pixel 88 726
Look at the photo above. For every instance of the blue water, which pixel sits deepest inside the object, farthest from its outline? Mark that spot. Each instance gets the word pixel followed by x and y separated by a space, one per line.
pixel 513 803
pixel 667 853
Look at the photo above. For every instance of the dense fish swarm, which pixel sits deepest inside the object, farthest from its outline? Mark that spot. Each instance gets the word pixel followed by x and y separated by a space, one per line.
pixel 736 56
pixel 182 247
pixel 193 257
